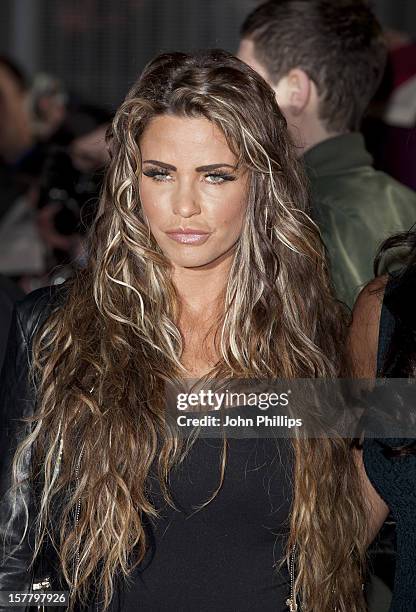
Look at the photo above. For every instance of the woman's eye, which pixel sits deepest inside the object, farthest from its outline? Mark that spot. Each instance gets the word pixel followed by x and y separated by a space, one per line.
pixel 157 175
pixel 219 178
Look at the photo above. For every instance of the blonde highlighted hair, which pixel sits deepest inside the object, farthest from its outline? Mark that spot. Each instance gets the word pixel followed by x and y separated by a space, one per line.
pixel 102 359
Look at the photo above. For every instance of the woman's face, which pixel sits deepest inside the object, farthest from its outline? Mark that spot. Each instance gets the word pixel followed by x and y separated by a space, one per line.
pixel 192 194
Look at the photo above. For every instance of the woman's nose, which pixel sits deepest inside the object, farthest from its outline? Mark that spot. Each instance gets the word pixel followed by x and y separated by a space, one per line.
pixel 185 200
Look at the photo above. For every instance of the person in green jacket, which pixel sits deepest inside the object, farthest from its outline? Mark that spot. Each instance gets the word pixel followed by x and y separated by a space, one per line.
pixel 325 60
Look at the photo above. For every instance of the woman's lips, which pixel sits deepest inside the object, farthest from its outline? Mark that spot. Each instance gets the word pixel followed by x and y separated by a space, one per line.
pixel 189 237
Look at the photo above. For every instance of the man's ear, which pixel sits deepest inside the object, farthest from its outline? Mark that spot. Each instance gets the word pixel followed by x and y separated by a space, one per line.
pixel 293 91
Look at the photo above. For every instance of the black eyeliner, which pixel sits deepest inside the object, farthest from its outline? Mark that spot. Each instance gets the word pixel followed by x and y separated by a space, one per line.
pixel 152 172
pixel 225 177
pixel 155 172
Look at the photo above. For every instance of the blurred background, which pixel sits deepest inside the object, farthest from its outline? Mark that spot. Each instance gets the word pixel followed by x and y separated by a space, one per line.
pixel 99 46
pixel 65 66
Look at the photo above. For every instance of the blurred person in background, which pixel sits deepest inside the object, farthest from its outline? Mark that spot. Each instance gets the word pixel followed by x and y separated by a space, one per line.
pixel 89 152
pixel 22 251
pixel 325 61
pixel 46 202
pixel 382 344
pixel 390 126
pixel 204 264
pixel 16 134
pixel 68 192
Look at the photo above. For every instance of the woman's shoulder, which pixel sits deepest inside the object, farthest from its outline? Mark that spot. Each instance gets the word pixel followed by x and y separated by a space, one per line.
pixel 37 305
pixel 363 337
pixel 369 302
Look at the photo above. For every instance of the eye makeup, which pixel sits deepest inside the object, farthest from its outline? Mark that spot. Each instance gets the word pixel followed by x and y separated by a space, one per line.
pixel 219 177
pixel 214 177
pixel 158 174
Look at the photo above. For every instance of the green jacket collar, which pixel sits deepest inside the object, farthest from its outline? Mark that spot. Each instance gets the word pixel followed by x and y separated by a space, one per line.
pixel 337 155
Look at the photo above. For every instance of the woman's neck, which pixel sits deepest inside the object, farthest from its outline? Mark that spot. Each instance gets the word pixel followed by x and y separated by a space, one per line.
pixel 201 294
pixel 200 290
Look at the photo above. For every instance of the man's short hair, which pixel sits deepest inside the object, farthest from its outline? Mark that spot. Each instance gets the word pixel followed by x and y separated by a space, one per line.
pixel 338 43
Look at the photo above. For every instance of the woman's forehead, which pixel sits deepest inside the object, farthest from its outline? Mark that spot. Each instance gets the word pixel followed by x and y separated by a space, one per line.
pixel 194 139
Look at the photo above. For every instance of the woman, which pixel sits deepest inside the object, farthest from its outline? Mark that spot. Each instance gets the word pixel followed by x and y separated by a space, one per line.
pixel 382 343
pixel 204 263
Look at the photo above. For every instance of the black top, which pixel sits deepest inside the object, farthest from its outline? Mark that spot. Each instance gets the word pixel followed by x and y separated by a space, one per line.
pixel 395 477
pixel 224 557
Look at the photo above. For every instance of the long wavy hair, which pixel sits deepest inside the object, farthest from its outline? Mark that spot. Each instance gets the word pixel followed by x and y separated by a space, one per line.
pixel 102 358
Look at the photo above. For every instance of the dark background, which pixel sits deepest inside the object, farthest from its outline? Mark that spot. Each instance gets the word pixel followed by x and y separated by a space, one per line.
pixel 98 47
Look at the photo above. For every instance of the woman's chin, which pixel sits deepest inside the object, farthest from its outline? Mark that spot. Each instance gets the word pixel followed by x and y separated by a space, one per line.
pixel 197 257
pixel 192 262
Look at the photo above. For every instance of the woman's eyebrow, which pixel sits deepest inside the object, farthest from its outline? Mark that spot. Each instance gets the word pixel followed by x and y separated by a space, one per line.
pixel 207 168
pixel 214 167
pixel 159 163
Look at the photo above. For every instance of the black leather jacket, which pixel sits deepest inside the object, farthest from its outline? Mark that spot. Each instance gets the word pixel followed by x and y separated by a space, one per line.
pixel 17 399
